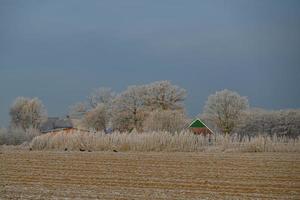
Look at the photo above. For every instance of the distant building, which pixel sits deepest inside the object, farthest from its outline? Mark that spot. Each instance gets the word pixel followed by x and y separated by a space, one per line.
pixel 56 124
pixel 198 127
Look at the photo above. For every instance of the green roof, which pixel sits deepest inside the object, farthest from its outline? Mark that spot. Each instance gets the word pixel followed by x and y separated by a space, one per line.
pixel 197 124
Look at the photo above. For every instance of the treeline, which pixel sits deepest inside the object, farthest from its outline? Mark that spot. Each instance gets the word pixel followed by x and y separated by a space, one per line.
pixel 134 108
pixel 158 106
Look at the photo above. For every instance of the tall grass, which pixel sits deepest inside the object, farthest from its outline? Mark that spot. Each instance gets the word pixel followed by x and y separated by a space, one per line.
pixel 161 141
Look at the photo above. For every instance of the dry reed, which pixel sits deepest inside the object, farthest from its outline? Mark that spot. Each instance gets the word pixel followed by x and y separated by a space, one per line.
pixel 161 141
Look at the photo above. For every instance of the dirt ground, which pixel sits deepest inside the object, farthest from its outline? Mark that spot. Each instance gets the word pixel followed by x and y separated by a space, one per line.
pixel 116 175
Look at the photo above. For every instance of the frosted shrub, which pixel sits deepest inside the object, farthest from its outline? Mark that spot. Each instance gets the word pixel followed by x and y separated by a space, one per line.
pixel 3 134
pixel 17 136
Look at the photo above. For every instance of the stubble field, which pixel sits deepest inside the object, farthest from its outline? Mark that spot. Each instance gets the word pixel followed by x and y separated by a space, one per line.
pixel 117 175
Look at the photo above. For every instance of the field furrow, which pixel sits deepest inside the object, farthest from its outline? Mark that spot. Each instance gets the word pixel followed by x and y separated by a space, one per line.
pixel 108 175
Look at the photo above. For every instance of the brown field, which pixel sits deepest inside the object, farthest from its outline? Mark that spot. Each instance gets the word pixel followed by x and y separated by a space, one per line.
pixel 110 175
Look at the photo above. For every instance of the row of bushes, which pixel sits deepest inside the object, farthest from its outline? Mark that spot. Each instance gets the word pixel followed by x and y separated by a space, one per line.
pixel 162 141
pixel 259 121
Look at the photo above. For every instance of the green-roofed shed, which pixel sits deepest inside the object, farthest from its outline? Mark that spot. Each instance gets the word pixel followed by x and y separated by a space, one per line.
pixel 198 127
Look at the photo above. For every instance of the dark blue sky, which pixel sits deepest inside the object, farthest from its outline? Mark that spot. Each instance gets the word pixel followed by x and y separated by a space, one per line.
pixel 59 50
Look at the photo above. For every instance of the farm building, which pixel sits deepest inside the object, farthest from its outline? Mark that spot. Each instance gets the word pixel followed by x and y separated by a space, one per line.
pixel 56 124
pixel 198 127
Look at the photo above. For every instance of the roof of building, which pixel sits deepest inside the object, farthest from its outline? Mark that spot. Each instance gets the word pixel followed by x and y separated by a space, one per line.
pixel 197 123
pixel 54 123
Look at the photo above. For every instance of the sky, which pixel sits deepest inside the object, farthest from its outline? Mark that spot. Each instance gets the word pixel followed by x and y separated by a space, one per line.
pixel 60 50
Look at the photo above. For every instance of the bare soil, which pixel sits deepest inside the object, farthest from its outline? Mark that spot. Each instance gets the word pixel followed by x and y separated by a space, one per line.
pixel 116 175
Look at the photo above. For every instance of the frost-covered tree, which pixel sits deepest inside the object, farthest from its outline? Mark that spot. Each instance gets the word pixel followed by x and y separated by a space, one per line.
pixel 97 118
pixel 78 110
pixel 101 95
pixel 164 96
pixel 224 109
pixel 165 120
pixel 98 96
pixel 129 109
pixel 133 105
pixel 27 113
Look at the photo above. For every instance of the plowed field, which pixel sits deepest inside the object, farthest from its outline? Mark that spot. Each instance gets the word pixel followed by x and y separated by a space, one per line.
pixel 116 175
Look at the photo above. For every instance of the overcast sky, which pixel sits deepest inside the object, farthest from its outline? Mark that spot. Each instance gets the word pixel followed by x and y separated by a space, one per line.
pixel 59 50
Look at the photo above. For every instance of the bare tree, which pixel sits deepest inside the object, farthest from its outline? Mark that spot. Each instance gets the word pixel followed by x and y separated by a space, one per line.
pixel 98 118
pixel 78 110
pixel 128 109
pixel 224 109
pixel 165 96
pixel 165 120
pixel 83 110
pixel 27 113
pixel 100 95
